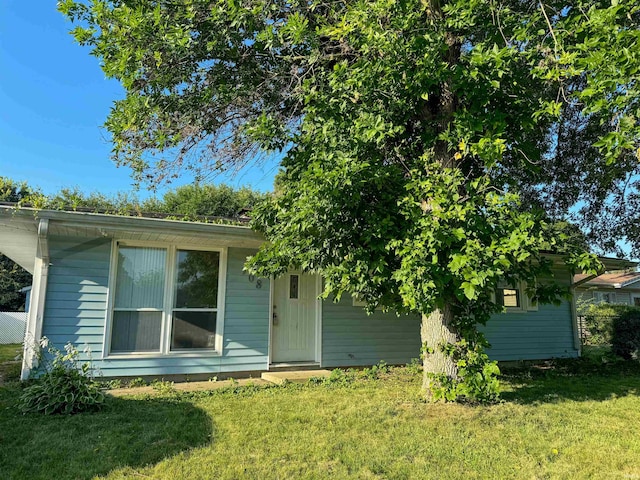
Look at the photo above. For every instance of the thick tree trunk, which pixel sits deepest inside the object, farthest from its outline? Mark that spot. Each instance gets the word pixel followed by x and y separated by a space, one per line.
pixel 435 331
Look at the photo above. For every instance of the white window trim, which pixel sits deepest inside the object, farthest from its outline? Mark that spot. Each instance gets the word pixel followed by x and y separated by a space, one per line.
pixel 169 294
pixel 526 305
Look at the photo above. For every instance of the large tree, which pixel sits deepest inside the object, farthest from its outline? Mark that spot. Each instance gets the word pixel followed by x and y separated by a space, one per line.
pixel 429 146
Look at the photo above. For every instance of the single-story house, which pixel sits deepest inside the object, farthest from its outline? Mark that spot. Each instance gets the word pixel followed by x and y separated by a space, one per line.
pixel 622 288
pixel 156 297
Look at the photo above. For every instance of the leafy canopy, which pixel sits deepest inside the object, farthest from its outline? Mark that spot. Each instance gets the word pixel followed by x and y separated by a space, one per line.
pixel 546 92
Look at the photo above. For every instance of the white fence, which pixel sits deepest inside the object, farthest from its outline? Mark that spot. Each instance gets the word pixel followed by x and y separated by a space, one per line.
pixel 12 327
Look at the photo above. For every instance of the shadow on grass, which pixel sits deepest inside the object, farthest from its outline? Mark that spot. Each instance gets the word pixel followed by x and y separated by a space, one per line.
pixel 127 432
pixel 576 380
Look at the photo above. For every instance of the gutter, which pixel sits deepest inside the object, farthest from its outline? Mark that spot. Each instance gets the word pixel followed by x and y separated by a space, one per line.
pixel 115 223
pixel 33 333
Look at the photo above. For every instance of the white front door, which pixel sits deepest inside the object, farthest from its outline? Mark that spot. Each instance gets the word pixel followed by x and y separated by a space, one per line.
pixel 293 337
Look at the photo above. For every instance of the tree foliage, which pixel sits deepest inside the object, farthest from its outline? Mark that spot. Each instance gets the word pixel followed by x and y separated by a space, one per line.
pixel 429 146
pixel 187 202
pixel 13 278
pixel 196 200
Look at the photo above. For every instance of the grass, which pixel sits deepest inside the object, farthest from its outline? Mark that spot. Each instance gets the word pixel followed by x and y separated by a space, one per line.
pixel 567 420
pixel 9 368
pixel 10 351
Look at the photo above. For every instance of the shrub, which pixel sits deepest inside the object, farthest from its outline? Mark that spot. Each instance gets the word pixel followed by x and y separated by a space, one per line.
pixel 625 340
pixel 599 322
pixel 65 385
pixel 415 367
pixel 162 386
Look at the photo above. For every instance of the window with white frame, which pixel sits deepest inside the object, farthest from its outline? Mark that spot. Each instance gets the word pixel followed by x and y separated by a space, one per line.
pixel 166 300
pixel 195 309
pixel 515 299
pixel 605 297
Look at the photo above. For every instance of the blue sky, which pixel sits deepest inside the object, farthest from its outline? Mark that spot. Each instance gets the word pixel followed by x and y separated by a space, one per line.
pixel 54 99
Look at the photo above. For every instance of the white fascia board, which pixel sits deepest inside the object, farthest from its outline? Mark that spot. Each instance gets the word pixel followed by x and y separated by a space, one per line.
pixel 242 235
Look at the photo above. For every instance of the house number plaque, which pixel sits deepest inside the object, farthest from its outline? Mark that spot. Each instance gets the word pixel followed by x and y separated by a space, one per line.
pixel 258 282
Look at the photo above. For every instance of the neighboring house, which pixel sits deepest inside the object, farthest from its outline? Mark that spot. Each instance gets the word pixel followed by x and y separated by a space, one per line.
pixel 155 297
pixel 27 293
pixel 615 287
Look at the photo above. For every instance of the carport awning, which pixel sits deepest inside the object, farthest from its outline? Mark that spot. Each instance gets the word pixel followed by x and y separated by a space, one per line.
pixel 19 240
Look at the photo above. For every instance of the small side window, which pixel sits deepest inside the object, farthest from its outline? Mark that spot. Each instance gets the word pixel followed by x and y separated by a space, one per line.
pixel 514 298
pixel 509 297
pixel 356 302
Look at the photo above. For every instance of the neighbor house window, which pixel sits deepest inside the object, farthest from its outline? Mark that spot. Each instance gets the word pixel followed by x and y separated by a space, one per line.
pixel 605 297
pixel 166 300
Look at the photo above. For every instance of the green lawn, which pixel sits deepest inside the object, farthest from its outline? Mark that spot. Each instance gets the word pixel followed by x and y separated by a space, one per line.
pixel 570 421
pixel 10 351
pixel 9 367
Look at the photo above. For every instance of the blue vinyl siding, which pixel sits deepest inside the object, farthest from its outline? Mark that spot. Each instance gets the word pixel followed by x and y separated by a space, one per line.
pixel 534 335
pixel 76 299
pixel 350 337
pixel 76 311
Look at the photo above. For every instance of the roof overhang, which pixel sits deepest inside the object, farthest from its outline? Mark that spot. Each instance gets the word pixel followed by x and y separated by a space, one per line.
pixel 19 238
pixel 19 231
pixel 609 264
pixel 616 263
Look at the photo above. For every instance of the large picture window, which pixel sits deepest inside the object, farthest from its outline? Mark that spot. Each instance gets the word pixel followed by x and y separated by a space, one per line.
pixel 196 300
pixel 166 300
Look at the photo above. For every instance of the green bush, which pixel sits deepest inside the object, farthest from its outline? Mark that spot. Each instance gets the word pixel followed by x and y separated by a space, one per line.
pixel 625 340
pixel 599 319
pixel 63 385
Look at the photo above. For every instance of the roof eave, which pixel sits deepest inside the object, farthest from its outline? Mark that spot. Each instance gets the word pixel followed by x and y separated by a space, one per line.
pixel 132 223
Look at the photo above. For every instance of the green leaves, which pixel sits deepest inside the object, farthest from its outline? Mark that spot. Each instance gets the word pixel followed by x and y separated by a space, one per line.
pixel 65 385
